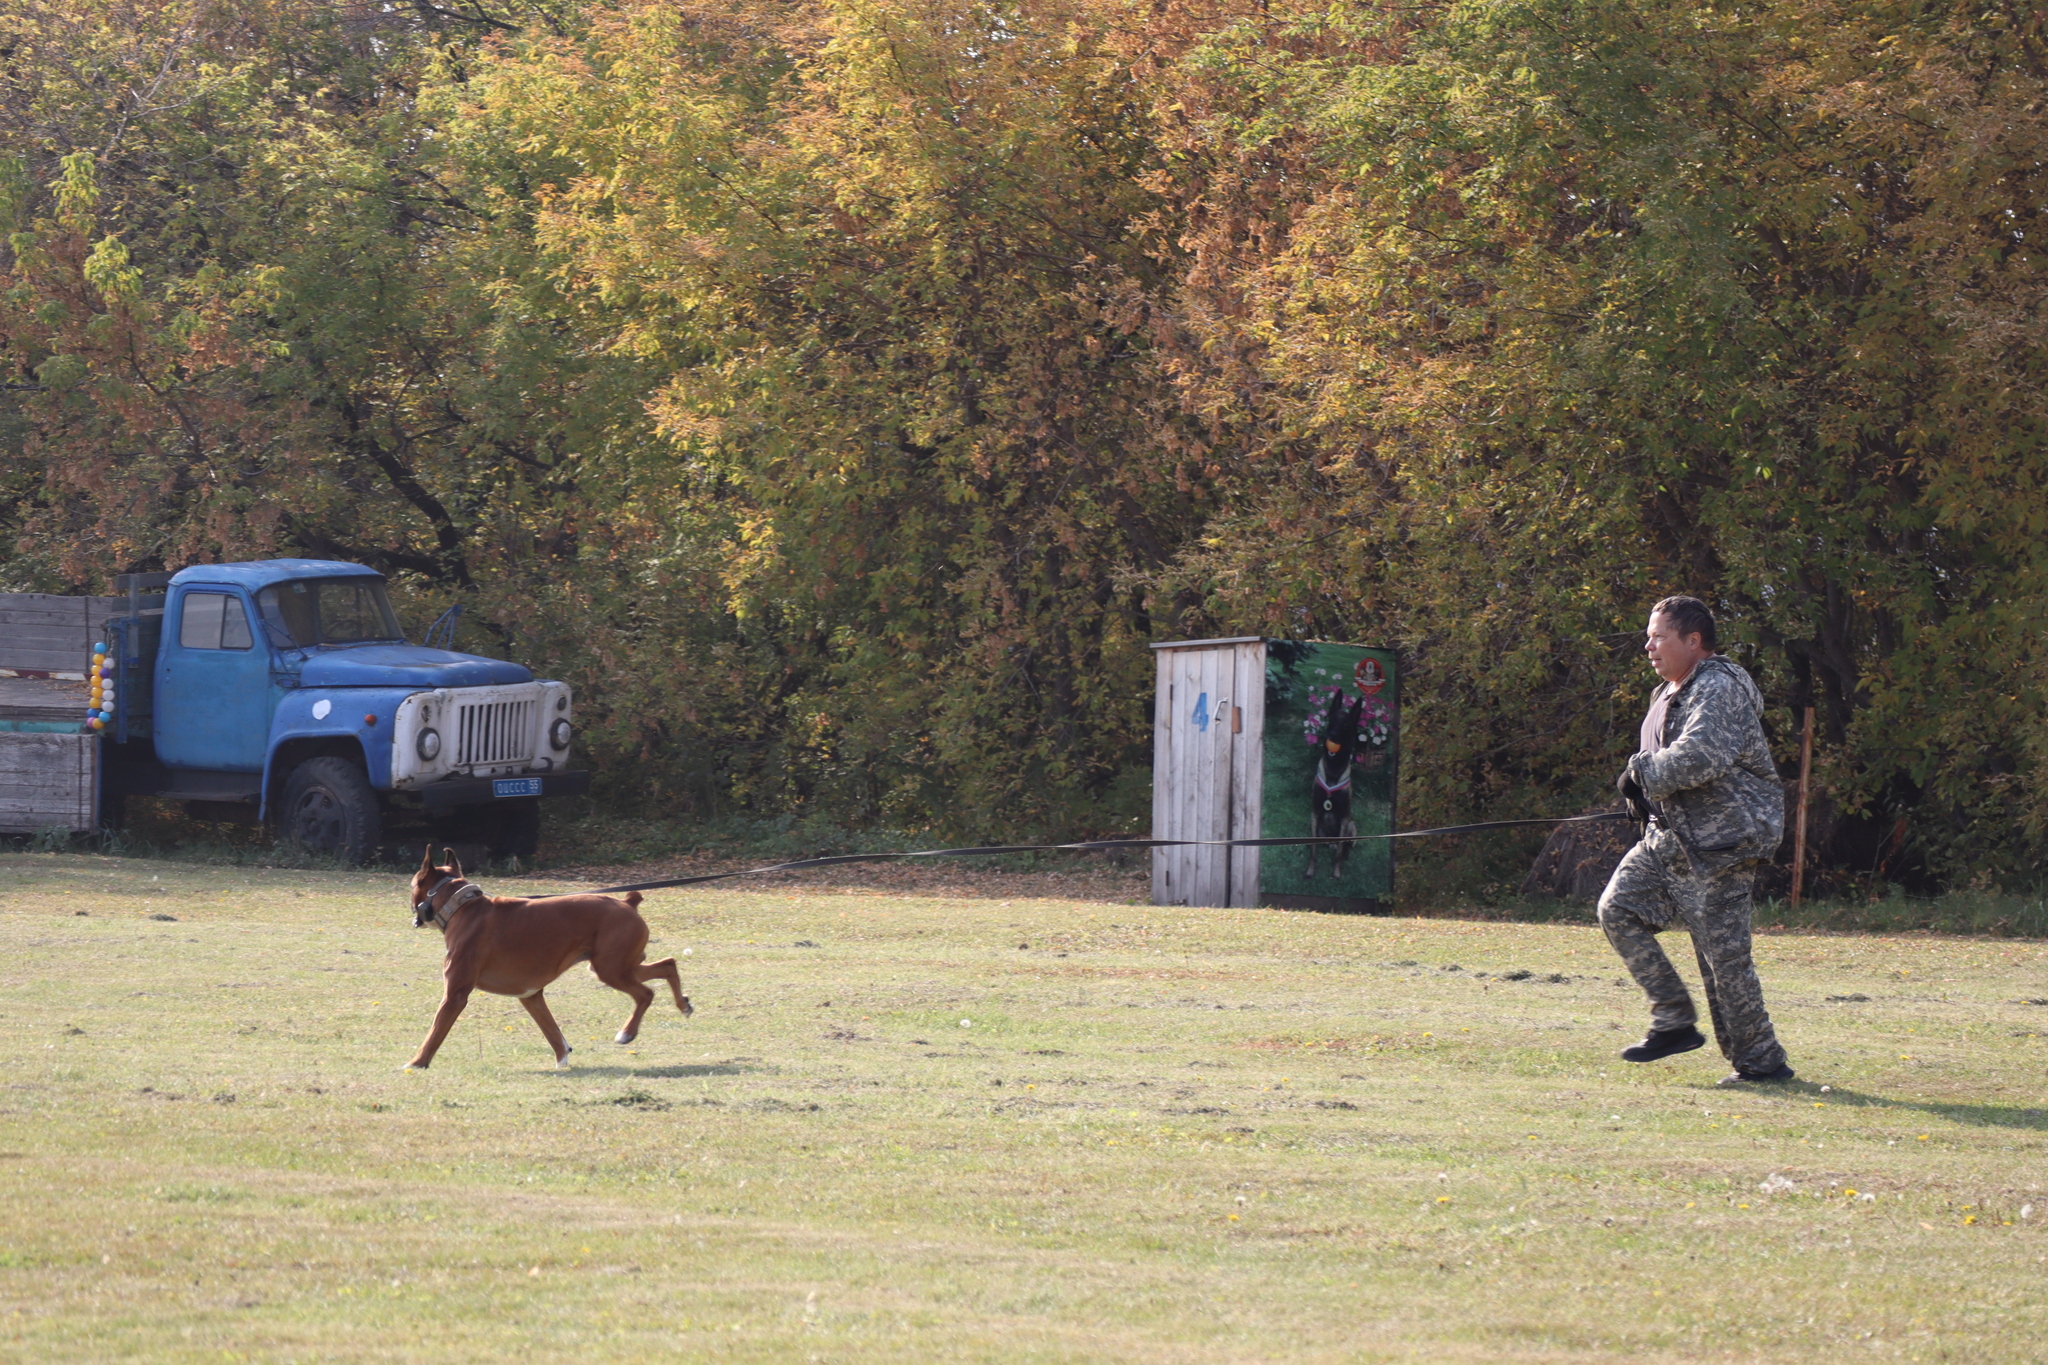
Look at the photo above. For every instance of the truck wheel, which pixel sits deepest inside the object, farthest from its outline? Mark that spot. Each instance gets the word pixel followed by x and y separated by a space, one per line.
pixel 516 832
pixel 329 807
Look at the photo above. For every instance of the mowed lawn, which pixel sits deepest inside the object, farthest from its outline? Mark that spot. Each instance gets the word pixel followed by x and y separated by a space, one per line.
pixel 905 1129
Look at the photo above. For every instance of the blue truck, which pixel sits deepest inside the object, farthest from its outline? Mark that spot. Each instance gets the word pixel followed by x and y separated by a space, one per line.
pixel 284 692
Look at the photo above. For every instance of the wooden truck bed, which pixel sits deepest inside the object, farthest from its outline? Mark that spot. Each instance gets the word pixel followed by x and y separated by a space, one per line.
pixel 49 636
pixel 49 771
pixel 26 702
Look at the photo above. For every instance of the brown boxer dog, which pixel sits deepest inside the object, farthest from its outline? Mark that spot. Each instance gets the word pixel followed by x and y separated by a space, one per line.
pixel 508 945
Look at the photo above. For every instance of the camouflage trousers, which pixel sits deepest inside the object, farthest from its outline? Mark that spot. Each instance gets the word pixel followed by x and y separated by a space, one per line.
pixel 1654 889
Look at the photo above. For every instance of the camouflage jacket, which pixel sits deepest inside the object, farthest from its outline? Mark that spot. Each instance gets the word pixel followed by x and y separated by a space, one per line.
pixel 1715 784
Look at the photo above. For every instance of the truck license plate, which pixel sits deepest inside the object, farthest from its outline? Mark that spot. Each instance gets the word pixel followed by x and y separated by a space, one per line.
pixel 515 786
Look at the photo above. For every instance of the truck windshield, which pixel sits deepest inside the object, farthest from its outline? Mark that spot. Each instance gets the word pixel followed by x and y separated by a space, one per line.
pixel 329 611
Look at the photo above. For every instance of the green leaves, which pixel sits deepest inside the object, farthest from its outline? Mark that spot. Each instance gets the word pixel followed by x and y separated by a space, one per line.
pixel 107 270
pixel 77 192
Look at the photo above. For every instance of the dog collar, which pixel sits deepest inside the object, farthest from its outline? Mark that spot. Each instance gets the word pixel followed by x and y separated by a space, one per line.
pixel 469 891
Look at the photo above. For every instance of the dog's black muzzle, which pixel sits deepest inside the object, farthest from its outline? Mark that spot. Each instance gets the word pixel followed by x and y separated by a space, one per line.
pixel 423 906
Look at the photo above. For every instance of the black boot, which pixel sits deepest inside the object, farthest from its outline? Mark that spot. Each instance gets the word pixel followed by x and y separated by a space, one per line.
pixel 1665 1043
pixel 1783 1073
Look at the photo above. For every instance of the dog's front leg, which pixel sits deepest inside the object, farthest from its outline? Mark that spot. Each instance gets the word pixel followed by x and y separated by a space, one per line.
pixel 537 1006
pixel 452 1001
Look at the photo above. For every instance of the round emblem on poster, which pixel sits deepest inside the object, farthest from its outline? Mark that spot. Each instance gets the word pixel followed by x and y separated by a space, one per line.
pixel 1369 676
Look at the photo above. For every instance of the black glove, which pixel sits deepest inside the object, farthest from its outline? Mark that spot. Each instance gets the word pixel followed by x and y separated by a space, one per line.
pixel 1634 797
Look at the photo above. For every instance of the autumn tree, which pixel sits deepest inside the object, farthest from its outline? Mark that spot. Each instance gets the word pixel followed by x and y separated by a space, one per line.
pixel 843 394
pixel 878 251
pixel 257 302
pixel 1536 312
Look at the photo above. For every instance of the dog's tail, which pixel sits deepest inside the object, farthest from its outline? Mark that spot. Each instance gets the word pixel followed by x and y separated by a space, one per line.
pixel 632 898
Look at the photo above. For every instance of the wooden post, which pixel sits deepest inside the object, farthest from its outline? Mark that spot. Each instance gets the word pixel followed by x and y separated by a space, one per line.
pixel 1799 824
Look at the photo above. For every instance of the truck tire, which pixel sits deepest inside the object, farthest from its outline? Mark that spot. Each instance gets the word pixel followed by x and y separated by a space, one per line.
pixel 330 807
pixel 516 832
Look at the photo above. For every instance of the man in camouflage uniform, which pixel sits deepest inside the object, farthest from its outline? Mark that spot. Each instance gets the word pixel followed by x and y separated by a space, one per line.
pixel 1704 780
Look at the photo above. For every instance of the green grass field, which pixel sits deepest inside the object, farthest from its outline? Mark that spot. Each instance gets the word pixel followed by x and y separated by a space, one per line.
pixel 977 1129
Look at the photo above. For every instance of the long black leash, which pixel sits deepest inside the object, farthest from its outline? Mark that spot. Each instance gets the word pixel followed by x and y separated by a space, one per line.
pixel 1096 846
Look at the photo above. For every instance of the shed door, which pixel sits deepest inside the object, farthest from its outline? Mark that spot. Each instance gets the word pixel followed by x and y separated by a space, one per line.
pixel 1205 782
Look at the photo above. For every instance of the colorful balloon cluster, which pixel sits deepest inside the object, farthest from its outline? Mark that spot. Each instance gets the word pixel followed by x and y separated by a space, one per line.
pixel 103 699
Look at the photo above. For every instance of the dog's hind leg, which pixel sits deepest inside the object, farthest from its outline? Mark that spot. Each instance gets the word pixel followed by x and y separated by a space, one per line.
pixel 624 977
pixel 665 970
pixel 537 1006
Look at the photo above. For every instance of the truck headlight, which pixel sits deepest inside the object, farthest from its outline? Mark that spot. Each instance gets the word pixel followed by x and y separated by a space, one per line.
pixel 559 732
pixel 428 744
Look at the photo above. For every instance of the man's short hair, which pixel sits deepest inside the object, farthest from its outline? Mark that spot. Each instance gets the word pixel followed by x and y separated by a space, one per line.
pixel 1688 616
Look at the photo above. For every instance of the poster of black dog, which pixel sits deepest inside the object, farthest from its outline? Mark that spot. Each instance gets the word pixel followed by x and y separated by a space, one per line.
pixel 1332 754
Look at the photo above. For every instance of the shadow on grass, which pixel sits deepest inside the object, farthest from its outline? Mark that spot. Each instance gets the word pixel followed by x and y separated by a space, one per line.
pixel 649 1073
pixel 1975 1115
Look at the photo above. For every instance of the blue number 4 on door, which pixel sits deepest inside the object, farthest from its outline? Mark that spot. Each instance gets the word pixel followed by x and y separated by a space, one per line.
pixel 516 786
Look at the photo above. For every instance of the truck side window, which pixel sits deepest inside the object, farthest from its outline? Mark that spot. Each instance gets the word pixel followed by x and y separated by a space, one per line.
pixel 234 625
pixel 213 620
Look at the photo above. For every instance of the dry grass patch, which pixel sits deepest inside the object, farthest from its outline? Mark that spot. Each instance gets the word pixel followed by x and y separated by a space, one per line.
pixel 892 1134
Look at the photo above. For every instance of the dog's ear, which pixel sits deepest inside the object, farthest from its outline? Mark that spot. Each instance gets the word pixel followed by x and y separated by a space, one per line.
pixel 454 863
pixel 427 859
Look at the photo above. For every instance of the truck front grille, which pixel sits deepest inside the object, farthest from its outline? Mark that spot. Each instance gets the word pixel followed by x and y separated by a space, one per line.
pixel 494 732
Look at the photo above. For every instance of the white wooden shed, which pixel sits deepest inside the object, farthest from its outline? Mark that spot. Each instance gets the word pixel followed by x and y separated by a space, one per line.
pixel 1238 727
pixel 1207 728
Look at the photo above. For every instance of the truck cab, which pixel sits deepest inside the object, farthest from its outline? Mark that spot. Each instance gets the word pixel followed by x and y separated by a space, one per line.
pixel 284 691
